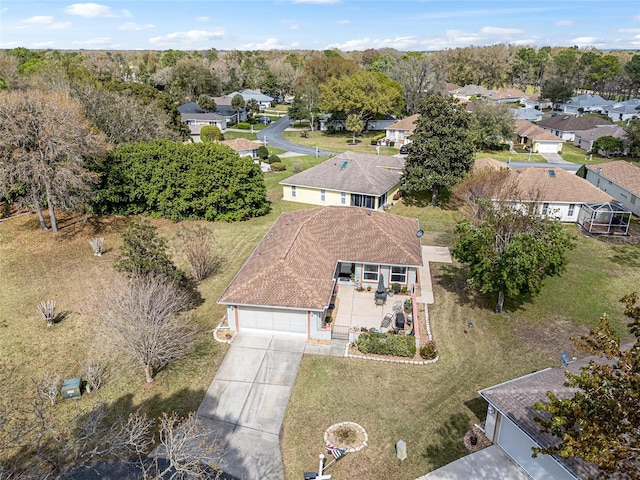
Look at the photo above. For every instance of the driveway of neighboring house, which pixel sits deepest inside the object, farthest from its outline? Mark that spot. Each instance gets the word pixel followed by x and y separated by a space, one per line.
pixel 246 402
pixel 555 158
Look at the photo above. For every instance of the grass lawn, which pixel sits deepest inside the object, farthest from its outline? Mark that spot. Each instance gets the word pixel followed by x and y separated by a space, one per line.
pixel 338 142
pixel 505 155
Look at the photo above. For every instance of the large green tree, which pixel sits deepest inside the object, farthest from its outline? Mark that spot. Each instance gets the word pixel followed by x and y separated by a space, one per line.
pixel 511 249
pixel 441 152
pixel 608 145
pixel 237 103
pixel 306 105
pixel 366 94
pixel 492 124
pixel 600 423
pixel 182 181
pixel 632 133
pixel 556 90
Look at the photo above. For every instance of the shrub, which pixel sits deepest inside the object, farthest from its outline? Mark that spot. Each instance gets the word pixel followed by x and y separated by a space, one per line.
pixel 243 126
pixel 376 138
pixel 278 167
pixel 297 167
pixel 428 351
pixel 273 159
pixel 392 143
pixel 263 152
pixel 387 344
pixel 396 196
pixel 210 133
pixel 395 287
pixel 403 289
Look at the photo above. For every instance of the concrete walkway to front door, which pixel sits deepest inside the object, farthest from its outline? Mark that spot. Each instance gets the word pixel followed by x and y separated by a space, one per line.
pixel 245 405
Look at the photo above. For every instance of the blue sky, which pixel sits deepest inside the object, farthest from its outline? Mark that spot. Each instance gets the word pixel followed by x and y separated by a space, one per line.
pixel 317 24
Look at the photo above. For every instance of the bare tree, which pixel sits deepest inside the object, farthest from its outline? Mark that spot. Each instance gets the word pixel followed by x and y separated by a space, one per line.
pixel 94 372
pixel 184 445
pixel 45 142
pixel 196 246
pixel 143 317
pixel 47 310
pixel 97 245
pixel 487 184
pixel 48 387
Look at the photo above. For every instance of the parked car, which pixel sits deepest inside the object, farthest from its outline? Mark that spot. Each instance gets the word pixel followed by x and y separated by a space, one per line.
pixel 403 150
pixel 265 120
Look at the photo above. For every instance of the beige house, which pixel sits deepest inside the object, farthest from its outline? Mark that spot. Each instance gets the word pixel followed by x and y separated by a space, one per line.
pixel 535 138
pixel 349 179
pixel 243 146
pixel 400 131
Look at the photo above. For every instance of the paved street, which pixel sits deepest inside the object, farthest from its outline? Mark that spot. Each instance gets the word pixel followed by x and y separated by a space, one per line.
pixel 273 134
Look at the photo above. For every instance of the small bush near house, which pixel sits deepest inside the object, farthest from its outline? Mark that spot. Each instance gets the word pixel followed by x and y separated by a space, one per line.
pixel 376 138
pixel 428 351
pixel 297 167
pixel 395 287
pixel 263 152
pixel 278 167
pixel 243 126
pixel 392 143
pixel 387 344
pixel 273 159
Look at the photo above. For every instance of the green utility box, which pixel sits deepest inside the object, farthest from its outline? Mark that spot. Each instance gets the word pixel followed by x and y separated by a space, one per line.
pixel 71 388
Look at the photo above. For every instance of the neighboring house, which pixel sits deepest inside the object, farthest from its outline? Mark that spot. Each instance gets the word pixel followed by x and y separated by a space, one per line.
pixel 537 102
pixel 530 114
pixel 348 179
pixel 243 146
pixel 196 118
pixel 470 91
pixel 585 138
pixel 582 104
pixel 619 179
pixel 400 131
pixel 566 126
pixel 559 194
pixel 288 282
pixel 263 100
pixel 510 423
pixel 451 88
pixel 328 123
pixel 505 95
pixel 623 111
pixel 535 138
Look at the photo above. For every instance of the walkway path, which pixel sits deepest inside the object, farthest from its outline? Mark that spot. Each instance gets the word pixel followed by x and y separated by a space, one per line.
pixel 245 404
pixel 430 254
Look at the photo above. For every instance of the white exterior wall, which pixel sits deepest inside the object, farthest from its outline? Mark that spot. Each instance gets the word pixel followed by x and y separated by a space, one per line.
pixel 518 445
pixel 626 198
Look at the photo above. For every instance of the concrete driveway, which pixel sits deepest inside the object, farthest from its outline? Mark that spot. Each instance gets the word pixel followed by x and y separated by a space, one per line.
pixel 246 402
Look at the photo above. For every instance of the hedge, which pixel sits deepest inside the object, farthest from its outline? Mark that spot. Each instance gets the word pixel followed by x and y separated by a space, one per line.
pixel 387 344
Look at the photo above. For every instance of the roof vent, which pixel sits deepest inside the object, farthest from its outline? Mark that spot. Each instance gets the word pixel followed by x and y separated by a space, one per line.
pixel 566 118
pixel 552 173
pixel 599 170
pixel 344 164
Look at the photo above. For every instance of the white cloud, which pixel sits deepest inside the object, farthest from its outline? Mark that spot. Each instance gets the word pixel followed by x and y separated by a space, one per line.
pixel 186 38
pixel 10 44
pixel 499 31
pixel 586 41
pixel 202 19
pixel 566 23
pixel 294 27
pixel 89 10
pixel 43 44
pixel 268 44
pixel 343 22
pixel 4 9
pixel 628 30
pixel 94 42
pixel 400 43
pixel 40 20
pixel 126 13
pixel 59 26
pixel 132 26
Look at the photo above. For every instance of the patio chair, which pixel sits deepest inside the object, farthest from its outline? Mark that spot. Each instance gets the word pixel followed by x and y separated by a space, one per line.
pixel 397 306
pixel 386 321
pixel 380 301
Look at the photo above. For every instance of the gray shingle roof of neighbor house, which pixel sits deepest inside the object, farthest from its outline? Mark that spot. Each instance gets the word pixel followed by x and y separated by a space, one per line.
pixel 620 172
pixel 188 110
pixel 569 123
pixel 470 90
pixel 525 128
pixel 596 133
pixel 294 264
pixel 248 94
pixel 353 173
pixel 586 100
pixel 515 399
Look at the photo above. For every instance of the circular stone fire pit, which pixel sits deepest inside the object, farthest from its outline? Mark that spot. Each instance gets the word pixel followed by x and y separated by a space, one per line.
pixel 346 435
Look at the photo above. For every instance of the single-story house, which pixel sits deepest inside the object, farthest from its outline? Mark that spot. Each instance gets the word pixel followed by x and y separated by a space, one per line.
pixel 510 423
pixel 535 138
pixel 327 122
pixel 623 111
pixel 505 95
pixel 243 146
pixel 619 179
pixel 349 179
pixel 196 118
pixel 469 91
pixel 530 114
pixel 583 104
pixel 400 131
pixel 559 194
pixel 566 126
pixel 288 282
pixel 263 100
pixel 537 102
pixel 584 139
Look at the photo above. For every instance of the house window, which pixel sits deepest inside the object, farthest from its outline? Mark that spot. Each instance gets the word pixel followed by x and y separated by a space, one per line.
pixel 382 200
pixel 545 209
pixel 323 195
pixel 343 198
pixel 399 274
pixel 293 191
pixel 371 273
pixel 572 207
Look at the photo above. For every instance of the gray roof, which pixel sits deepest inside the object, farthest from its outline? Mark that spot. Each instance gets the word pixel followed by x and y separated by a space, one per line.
pixel 249 94
pixel 353 173
pixel 587 100
pixel 595 133
pixel 569 123
pixel 188 111
pixel 470 90
pixel 629 106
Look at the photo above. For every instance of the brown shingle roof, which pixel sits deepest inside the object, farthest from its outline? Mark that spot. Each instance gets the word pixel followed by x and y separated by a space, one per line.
pixel 537 183
pixel 241 144
pixel 407 124
pixel 525 128
pixel 362 173
pixel 505 93
pixel 294 264
pixel 569 123
pixel 486 162
pixel 622 173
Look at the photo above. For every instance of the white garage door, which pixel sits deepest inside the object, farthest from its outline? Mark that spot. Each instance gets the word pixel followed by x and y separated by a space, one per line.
pixel 518 445
pixel 547 148
pixel 273 319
